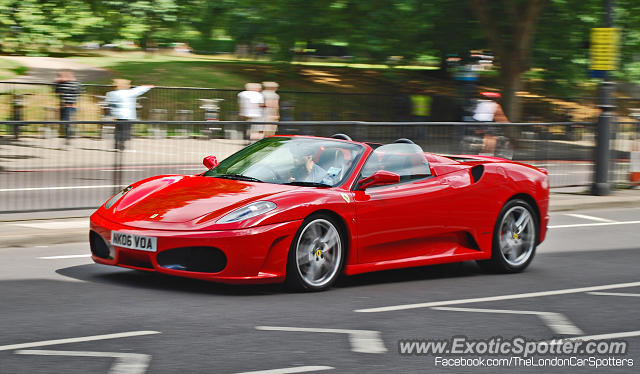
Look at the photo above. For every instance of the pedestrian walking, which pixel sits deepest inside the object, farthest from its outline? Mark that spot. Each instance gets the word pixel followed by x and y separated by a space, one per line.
pixel 68 90
pixel 271 107
pixel 487 109
pixel 251 104
pixel 122 104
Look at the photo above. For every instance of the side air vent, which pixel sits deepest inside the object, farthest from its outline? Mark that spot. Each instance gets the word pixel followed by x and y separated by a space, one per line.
pixel 476 172
pixel 196 259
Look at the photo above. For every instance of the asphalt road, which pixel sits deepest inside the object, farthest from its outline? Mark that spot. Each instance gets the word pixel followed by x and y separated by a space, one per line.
pixel 166 325
pixel 58 188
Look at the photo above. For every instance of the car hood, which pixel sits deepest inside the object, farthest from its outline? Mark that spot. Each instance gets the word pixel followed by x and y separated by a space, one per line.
pixel 179 199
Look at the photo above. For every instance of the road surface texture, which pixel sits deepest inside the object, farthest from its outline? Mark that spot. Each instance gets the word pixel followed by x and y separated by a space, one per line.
pixel 62 313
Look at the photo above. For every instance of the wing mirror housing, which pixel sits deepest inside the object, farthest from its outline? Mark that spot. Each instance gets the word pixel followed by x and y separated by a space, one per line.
pixel 210 162
pixel 379 178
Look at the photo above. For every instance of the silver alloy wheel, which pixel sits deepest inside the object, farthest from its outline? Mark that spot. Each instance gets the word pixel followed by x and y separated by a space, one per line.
pixel 318 252
pixel 517 235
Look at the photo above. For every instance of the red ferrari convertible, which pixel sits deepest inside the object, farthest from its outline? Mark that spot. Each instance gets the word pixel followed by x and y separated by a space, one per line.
pixel 304 210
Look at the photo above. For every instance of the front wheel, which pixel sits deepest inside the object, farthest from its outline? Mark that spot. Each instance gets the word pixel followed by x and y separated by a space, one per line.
pixel 515 238
pixel 316 255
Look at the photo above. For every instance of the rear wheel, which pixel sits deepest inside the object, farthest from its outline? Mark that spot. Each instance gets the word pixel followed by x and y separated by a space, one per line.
pixel 316 255
pixel 515 238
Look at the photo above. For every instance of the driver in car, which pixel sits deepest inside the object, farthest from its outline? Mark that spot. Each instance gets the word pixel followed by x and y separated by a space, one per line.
pixel 305 169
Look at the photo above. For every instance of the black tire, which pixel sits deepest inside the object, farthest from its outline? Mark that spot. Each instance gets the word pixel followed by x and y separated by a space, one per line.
pixel 501 262
pixel 298 274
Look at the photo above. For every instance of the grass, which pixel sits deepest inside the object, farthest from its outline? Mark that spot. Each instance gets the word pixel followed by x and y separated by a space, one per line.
pixel 10 69
pixel 225 71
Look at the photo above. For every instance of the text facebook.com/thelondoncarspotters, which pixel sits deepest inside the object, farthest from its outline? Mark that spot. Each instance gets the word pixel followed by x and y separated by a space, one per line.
pixel 497 351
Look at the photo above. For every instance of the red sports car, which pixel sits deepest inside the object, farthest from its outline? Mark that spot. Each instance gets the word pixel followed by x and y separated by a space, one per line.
pixel 304 210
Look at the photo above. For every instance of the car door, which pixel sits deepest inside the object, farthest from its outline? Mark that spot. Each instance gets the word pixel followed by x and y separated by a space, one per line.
pixel 403 220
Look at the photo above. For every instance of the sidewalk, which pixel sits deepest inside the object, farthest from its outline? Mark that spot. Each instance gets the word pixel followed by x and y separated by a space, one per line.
pixel 58 227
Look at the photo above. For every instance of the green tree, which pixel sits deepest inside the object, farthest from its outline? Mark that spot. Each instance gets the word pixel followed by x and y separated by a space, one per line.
pixel 31 25
pixel 510 28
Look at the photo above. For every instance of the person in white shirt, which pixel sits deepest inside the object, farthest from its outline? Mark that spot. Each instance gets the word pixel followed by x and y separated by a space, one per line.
pixel 122 103
pixel 251 104
pixel 488 110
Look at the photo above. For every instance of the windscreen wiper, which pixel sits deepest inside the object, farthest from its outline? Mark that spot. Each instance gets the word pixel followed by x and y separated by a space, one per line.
pixel 239 177
pixel 307 184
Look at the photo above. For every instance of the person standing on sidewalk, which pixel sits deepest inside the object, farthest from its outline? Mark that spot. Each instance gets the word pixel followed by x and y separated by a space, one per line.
pixel 250 105
pixel 68 90
pixel 271 107
pixel 122 103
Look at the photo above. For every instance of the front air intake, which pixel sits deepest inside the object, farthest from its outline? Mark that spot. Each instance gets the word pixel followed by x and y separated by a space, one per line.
pixel 99 246
pixel 195 259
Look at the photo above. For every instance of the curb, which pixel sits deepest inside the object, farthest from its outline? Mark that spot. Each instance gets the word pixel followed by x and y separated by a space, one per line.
pixel 39 238
pixel 563 203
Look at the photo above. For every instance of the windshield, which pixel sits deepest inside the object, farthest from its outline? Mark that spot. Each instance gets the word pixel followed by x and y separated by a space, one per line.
pixel 298 161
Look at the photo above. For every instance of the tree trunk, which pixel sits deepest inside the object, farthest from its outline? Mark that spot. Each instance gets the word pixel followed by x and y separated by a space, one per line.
pixel 285 44
pixel 511 84
pixel 511 44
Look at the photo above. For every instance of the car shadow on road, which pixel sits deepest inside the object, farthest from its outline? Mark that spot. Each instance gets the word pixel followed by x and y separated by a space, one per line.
pixel 453 270
pixel 95 273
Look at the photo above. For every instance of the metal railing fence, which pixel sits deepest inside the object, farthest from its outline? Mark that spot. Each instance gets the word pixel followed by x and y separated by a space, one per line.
pixel 38 102
pixel 43 169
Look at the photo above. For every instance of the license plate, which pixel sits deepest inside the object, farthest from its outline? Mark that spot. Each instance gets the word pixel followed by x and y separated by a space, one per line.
pixel 139 242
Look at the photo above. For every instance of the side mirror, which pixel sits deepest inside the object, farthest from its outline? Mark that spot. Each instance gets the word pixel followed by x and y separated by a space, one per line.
pixel 379 178
pixel 210 162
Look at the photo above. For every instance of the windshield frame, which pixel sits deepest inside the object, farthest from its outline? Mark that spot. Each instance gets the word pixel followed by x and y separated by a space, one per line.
pixel 242 154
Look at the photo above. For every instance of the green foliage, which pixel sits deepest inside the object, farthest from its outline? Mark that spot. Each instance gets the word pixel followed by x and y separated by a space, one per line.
pixel 9 69
pixel 373 31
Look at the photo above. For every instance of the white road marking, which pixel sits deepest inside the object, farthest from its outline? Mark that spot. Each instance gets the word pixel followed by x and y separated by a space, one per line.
pixel 61 257
pixel 76 340
pixel 614 294
pixel 586 338
pixel 556 321
pixel 594 224
pixel 126 363
pixel 560 164
pixel 497 298
pixel 363 341
pixel 570 173
pixel 59 188
pixel 592 218
pixel 298 369
pixel 203 169
pixel 112 170
pixel 56 225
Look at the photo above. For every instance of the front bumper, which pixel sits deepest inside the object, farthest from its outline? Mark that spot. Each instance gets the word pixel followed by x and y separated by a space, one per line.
pixel 253 255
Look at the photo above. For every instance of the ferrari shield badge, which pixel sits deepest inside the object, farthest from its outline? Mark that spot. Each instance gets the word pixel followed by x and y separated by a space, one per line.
pixel 345 197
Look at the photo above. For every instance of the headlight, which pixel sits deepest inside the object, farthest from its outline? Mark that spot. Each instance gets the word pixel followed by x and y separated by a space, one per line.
pixel 116 197
pixel 248 211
